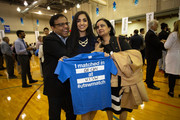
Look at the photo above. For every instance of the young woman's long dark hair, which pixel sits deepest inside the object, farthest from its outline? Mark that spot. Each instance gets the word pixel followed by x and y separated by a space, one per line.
pixel 73 39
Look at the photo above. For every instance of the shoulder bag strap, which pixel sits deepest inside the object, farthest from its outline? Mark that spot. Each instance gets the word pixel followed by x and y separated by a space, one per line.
pixel 118 43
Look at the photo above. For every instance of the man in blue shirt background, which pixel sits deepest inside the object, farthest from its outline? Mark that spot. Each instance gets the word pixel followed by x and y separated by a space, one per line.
pixel 22 56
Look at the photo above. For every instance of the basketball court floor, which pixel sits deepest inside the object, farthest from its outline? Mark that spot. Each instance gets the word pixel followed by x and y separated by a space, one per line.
pixel 17 103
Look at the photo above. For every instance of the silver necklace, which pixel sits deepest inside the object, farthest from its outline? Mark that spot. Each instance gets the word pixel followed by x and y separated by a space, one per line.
pixel 83 43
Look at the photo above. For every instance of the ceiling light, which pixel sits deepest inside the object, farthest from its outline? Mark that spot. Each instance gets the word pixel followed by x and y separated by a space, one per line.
pixel 34 2
pixel 65 11
pixel 78 6
pixel 25 3
pixel 18 9
pixel 48 8
pixel 129 21
pixel 40 12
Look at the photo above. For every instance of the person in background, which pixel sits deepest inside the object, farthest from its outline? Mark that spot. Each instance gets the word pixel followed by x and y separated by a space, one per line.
pixel 173 57
pixel 46 31
pixel 136 41
pixel 106 32
pixel 153 52
pixel 39 42
pixel 142 49
pixel 9 57
pixel 1 59
pixel 54 47
pixel 40 51
pixel 163 35
pixel 82 40
pixel 22 56
pixel 41 58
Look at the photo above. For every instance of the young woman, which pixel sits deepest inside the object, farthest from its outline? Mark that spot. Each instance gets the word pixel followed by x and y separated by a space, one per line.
pixel 106 33
pixel 82 40
pixel 173 57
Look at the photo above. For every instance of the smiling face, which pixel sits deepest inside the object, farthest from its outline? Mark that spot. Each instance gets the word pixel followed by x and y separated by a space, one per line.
pixel 102 29
pixel 61 27
pixel 82 23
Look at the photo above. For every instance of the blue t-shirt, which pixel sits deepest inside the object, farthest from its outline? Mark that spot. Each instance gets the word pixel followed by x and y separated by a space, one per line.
pixel 90 76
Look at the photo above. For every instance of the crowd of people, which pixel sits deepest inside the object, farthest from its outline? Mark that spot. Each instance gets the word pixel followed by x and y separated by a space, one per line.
pixel 58 45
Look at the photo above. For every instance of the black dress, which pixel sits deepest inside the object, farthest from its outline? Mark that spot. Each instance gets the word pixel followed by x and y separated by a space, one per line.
pixel 85 44
pixel 116 98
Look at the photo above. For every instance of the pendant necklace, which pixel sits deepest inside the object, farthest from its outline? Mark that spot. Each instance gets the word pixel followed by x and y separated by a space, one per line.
pixel 83 43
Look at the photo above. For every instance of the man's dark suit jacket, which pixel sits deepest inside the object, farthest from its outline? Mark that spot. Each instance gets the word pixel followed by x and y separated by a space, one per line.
pixel 136 41
pixel 153 46
pixel 53 49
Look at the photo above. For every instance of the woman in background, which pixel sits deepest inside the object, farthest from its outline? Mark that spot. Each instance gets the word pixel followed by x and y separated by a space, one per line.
pixel 173 57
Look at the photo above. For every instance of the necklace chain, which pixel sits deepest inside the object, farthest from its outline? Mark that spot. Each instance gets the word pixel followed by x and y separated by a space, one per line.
pixel 83 43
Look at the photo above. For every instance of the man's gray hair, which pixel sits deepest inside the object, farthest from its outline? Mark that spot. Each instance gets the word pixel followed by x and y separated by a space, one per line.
pixel 151 23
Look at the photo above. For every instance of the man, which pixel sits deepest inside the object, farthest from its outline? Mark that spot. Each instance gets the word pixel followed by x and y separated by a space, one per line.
pixel 153 53
pixel 46 31
pixel 40 53
pixel 9 57
pixel 22 56
pixel 163 35
pixel 142 49
pixel 136 41
pixel 54 47
pixel 1 59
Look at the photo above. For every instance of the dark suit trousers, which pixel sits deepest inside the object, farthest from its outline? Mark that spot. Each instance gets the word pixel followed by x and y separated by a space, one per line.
pixel 1 61
pixel 151 67
pixel 172 81
pixel 58 103
pixel 9 65
pixel 25 67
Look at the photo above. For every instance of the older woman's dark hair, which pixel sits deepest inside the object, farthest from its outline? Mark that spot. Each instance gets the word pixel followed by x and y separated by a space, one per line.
pixel 74 36
pixel 112 31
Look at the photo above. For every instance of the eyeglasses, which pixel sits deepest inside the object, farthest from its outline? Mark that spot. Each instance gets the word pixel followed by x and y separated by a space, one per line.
pixel 63 24
pixel 97 27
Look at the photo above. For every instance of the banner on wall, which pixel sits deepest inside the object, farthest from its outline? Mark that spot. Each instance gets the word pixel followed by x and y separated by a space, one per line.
pixel 37 21
pixel 124 25
pixel 21 19
pixel 2 20
pixel 7 28
pixel 149 17
pixel 114 6
pixel 1 35
pixel 36 35
pixel 113 23
pixel 97 11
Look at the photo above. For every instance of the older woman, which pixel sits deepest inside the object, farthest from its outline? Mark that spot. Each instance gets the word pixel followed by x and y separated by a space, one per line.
pixel 106 33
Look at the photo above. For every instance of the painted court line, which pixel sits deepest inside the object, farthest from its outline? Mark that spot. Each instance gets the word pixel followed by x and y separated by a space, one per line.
pixel 15 87
pixel 164 103
pixel 17 118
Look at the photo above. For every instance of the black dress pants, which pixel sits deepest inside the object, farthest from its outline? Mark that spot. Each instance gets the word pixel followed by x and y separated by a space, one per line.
pixel 151 67
pixel 9 65
pixel 25 67
pixel 172 81
pixel 58 103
